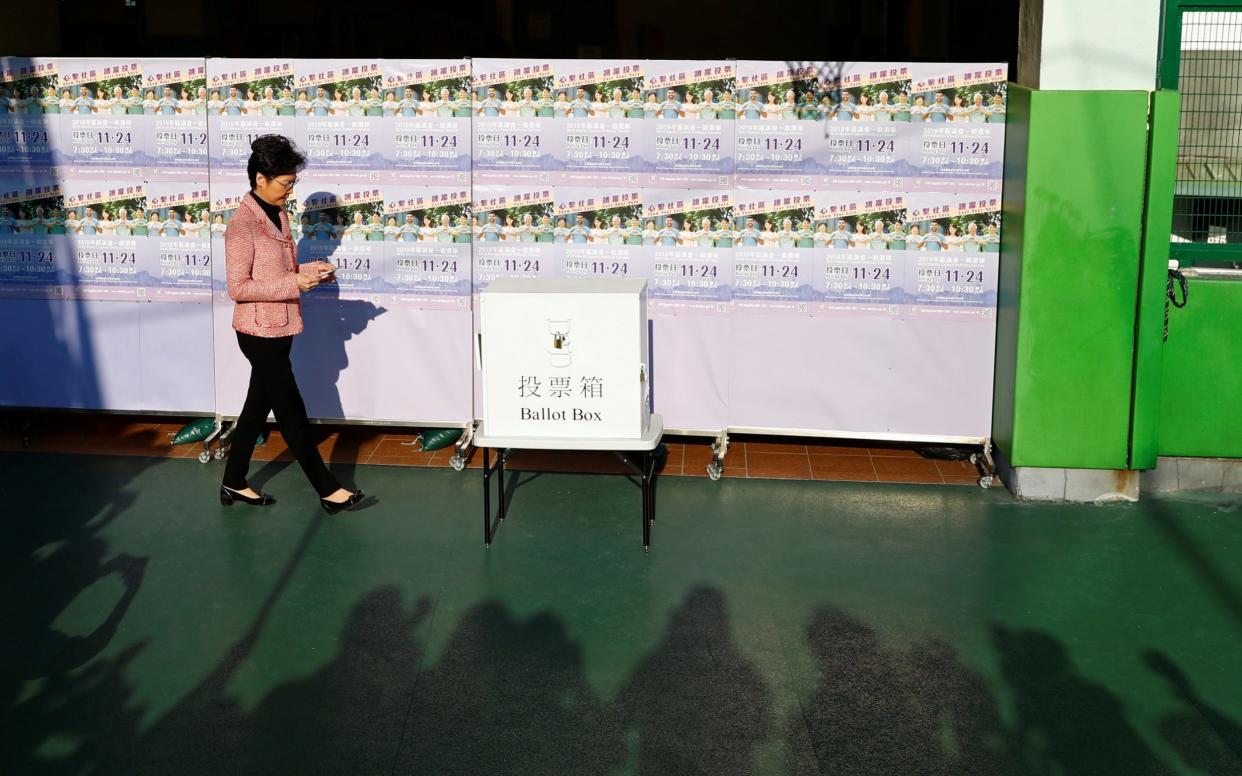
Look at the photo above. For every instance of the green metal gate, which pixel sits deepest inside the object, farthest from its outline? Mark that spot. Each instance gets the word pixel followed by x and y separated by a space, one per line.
pixel 1202 58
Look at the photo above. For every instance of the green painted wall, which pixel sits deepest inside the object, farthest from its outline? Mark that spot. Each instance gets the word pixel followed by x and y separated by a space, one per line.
pixel 1073 273
pixel 1201 394
pixel 1161 175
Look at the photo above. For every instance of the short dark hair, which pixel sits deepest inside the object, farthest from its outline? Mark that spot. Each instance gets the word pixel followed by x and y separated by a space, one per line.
pixel 274 155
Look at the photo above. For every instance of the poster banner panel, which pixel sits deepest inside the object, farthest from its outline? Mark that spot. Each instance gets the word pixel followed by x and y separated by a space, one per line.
pixel 104 135
pixel 176 252
pixel 112 255
pixel 339 106
pixel 780 109
pixel 31 108
pixel 174 105
pixel 692 256
pixel 515 140
pixel 959 145
pixel 867 135
pixel 692 141
pixel 860 270
pixel 246 99
pixel 601 121
pixel 427 109
pixel 954 275
pixel 602 232
pixel 779 244
pixel 36 246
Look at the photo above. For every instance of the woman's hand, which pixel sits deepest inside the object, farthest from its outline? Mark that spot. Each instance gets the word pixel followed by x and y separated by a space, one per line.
pixel 306 282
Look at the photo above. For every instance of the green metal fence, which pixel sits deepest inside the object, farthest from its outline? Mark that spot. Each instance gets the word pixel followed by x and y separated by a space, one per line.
pixel 1202 57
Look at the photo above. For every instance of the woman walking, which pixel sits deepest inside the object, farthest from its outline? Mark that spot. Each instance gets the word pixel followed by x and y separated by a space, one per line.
pixel 265 281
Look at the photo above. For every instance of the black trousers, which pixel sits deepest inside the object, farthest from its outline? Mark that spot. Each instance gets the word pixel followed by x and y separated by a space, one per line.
pixel 273 389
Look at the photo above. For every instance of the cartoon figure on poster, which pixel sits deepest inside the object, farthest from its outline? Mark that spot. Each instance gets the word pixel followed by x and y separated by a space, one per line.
pixel 427 234
pixel 693 104
pixel 776 144
pixel 427 107
pixel 246 99
pixel 515 139
pixel 861 240
pixel 174 97
pixel 100 137
pixel 959 131
pixel 340 106
pixel 603 129
pixel 510 228
pixel 775 252
pixel 601 230
pixel 29 115
pixel 34 241
pixel 868 143
pixel 177 251
pixel 689 237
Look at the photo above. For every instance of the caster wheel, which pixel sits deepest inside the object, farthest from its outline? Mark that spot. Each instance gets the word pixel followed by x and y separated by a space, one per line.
pixel 218 454
pixel 458 462
pixel 204 457
pixel 985 482
pixel 714 470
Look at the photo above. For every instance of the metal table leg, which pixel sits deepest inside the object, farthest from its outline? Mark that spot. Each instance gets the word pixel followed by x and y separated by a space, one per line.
pixel 647 503
pixel 487 497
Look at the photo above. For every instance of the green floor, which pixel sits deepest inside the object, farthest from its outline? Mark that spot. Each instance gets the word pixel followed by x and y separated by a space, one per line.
pixel 776 627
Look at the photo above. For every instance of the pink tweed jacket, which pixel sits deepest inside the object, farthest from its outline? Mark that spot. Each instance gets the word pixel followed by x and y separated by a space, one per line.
pixel 261 264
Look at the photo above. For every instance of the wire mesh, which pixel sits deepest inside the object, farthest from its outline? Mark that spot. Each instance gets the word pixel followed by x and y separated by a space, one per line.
pixel 1207 203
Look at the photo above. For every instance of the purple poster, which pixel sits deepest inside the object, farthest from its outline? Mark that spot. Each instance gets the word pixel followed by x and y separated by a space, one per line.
pixel 780 109
pixel 692 140
pixel 246 98
pixel 510 234
pixel 863 238
pixel 868 108
pixel 776 252
pixel 689 238
pixel 340 107
pixel 515 139
pixel 108 227
pixel 427 239
pixel 959 126
pixel 176 253
pixel 174 104
pixel 599 111
pixel 954 274
pixel 30 114
pixel 601 231
pixel 426 136
pixel 103 135
pixel 35 249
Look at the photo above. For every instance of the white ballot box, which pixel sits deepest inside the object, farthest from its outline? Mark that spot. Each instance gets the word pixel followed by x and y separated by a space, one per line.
pixel 565 358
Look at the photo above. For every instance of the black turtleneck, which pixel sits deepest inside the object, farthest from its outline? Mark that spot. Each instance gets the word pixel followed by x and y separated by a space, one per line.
pixel 273 211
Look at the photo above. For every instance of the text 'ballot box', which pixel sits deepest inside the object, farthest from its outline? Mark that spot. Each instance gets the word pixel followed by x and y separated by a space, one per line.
pixel 565 358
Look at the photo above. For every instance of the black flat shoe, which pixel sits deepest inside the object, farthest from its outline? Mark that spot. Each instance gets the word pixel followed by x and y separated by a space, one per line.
pixel 228 496
pixel 332 508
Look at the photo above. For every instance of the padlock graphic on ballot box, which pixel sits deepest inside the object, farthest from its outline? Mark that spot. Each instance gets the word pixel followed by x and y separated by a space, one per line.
pixel 560 354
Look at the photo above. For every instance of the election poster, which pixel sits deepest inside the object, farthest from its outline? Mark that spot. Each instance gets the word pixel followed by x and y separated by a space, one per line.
pixel 602 232
pixel 514 139
pixel 103 137
pixel 781 139
pixel 778 246
pixel 36 246
pixel 341 110
pixel 599 113
pixel 174 132
pixel 427 107
pixel 247 98
pixel 865 238
pixel 692 143
pixel 31 105
pixel 959 126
